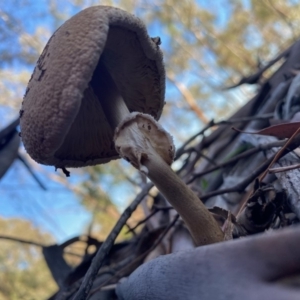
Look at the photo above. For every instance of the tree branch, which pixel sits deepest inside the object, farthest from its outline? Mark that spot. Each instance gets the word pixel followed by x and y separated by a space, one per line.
pixel 103 251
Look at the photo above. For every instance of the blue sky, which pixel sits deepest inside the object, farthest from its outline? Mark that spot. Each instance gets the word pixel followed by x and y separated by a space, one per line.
pixel 55 210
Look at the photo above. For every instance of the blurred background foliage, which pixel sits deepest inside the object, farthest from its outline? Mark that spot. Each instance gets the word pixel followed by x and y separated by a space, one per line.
pixel 207 46
pixel 23 272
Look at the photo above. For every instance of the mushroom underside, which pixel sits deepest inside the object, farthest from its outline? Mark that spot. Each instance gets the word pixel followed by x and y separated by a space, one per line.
pixel 90 137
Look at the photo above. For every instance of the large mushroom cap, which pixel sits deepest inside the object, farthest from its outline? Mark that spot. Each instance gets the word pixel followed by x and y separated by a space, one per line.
pixel 62 121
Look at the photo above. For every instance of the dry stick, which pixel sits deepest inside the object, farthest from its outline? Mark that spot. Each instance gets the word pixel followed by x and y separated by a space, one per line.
pixel 284 169
pixel 73 240
pixel 115 270
pixel 103 251
pixel 207 141
pixel 240 186
pixel 131 230
pixel 212 123
pixel 32 173
pixel 156 210
pixel 275 157
pixel 204 156
pixel 32 243
pixel 63 245
pixel 185 162
pixel 142 221
pixel 224 164
pixel 236 158
pixel 279 154
pixel 181 150
pixel 259 73
pixel 245 119
pixel 157 242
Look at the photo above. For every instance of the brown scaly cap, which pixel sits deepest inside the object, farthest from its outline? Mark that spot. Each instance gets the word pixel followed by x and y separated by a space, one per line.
pixel 62 121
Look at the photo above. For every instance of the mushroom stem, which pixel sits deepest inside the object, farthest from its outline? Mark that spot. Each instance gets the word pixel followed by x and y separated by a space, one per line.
pixel 113 104
pixel 149 148
pixel 202 226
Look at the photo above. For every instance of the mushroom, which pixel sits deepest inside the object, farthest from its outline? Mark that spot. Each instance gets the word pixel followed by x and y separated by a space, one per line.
pixel 91 63
pixel 100 83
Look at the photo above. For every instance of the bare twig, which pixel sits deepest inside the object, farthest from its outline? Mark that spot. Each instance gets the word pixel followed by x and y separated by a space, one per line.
pixel 240 187
pixel 72 241
pixel 255 77
pixel 280 153
pixel 142 256
pixel 236 158
pixel 245 119
pixel 103 251
pixel 155 210
pixel 32 173
pixel 32 243
pixel 181 150
pixel 212 123
pixel 283 151
pixel 284 169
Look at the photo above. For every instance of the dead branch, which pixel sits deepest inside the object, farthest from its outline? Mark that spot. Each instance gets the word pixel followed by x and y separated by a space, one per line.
pixel 103 251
